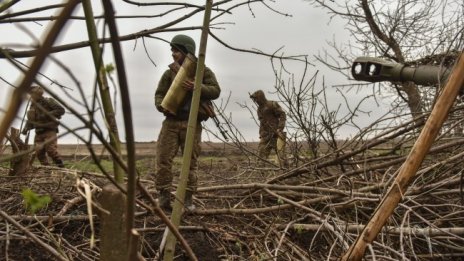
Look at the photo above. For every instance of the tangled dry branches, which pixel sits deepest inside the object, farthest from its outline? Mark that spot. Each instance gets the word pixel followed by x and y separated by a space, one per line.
pixel 311 211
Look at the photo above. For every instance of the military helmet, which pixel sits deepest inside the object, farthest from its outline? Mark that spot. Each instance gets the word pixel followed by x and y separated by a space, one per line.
pixel 257 95
pixel 184 43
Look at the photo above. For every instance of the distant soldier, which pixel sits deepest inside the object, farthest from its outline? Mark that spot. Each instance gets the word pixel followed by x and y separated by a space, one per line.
pixel 174 129
pixel 43 116
pixel 271 126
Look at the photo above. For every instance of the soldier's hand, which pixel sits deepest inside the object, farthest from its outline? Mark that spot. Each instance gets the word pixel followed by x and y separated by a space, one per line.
pixel 24 131
pixel 188 85
pixel 167 113
pixel 164 111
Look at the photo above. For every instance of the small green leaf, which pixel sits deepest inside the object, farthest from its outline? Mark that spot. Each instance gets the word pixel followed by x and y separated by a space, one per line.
pixel 109 68
pixel 33 201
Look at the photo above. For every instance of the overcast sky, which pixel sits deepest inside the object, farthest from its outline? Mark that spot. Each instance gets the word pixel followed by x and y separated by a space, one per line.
pixel 304 32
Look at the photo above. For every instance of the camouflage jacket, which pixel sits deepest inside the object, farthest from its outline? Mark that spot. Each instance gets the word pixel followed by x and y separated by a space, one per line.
pixel 210 90
pixel 44 115
pixel 271 118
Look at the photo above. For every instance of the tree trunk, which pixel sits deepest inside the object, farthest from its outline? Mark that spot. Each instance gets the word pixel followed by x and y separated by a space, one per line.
pixel 414 99
pixel 18 164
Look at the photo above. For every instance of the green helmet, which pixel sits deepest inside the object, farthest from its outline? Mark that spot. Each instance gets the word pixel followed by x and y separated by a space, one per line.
pixel 184 43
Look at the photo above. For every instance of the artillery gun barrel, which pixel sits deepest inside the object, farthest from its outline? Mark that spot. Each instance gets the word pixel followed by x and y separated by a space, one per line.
pixel 378 70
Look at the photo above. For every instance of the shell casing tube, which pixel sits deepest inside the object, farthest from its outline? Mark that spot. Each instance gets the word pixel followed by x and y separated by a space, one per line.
pixel 176 94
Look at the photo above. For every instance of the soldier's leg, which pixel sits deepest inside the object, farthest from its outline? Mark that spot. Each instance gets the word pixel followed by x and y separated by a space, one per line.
pixel 192 178
pixel 264 148
pixel 280 153
pixel 52 148
pixel 192 182
pixel 40 148
pixel 166 149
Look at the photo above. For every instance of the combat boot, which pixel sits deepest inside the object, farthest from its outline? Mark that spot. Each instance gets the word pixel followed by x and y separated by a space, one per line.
pixel 188 203
pixel 59 163
pixel 164 200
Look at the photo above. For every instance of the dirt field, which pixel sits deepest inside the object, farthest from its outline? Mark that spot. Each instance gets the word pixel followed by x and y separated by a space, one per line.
pixel 147 149
pixel 64 221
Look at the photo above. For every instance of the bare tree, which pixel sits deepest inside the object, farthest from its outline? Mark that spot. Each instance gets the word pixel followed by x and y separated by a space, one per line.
pixel 84 109
pixel 404 31
pixel 311 211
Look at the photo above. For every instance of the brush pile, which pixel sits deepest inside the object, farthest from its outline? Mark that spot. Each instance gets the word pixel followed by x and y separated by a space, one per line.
pixel 246 210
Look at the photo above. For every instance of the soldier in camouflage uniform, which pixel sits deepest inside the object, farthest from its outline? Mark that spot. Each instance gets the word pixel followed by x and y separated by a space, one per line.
pixel 174 128
pixel 43 116
pixel 271 125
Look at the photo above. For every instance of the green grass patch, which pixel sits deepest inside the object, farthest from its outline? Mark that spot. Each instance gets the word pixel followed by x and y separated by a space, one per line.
pixel 90 166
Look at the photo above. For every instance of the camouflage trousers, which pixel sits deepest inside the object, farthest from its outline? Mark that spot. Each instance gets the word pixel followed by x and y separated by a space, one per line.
pixel 266 145
pixel 171 138
pixel 46 143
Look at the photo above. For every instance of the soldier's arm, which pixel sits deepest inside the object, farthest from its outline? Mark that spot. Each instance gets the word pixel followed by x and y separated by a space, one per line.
pixel 28 126
pixel 56 109
pixel 210 89
pixel 163 86
pixel 281 116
